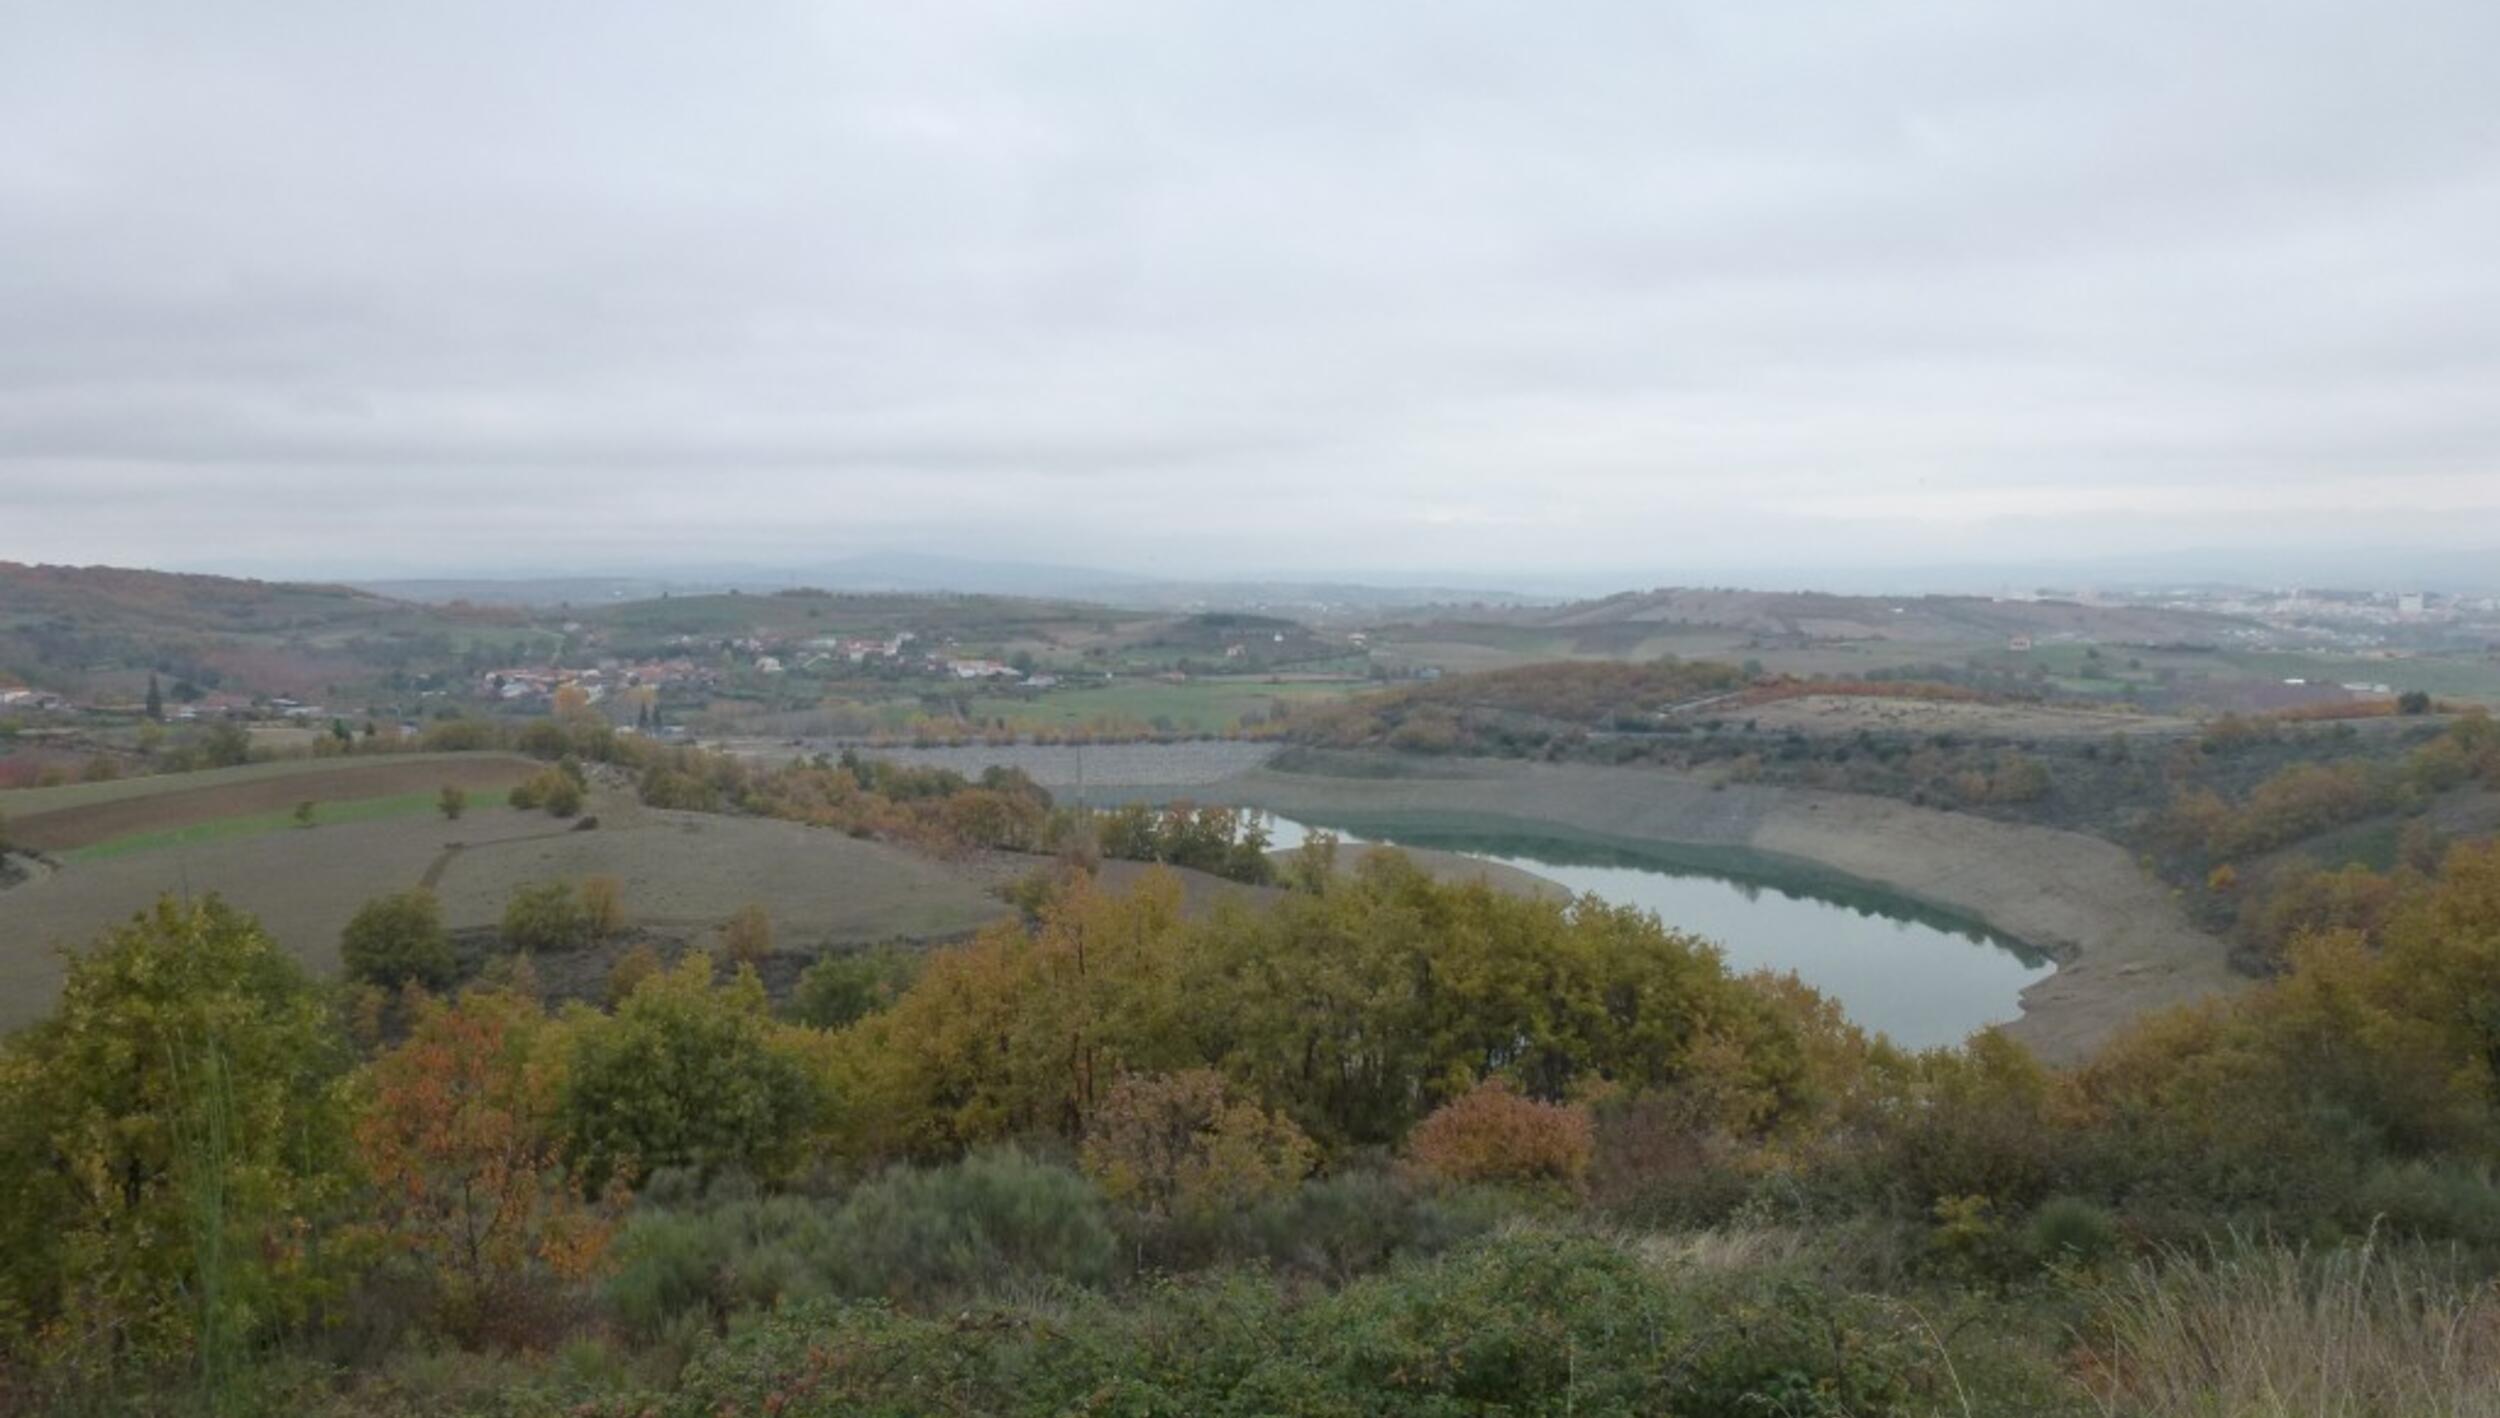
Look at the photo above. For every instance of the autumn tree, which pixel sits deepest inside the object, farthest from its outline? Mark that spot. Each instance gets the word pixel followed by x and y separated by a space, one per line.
pixel 1023 1031
pixel 452 802
pixel 603 904
pixel 1185 1143
pixel 1313 863
pixel 631 969
pixel 171 1137
pixel 1492 1133
pixel 458 1136
pixel 747 936
pixel 1355 1012
pixel 572 708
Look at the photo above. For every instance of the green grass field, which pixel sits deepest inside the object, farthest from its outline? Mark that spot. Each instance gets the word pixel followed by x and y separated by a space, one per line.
pixel 255 824
pixel 2459 676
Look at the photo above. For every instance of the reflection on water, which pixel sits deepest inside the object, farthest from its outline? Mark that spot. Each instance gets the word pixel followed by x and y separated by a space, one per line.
pixel 1923 976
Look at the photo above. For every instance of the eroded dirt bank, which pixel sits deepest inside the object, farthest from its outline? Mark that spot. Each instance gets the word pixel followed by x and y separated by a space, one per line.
pixel 2123 946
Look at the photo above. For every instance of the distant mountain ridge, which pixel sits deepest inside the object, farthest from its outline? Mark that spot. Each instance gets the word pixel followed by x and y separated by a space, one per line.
pixel 182 599
pixel 923 574
pixel 1823 615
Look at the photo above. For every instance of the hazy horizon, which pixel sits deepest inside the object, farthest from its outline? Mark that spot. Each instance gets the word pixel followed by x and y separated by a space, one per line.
pixel 885 569
pixel 1637 295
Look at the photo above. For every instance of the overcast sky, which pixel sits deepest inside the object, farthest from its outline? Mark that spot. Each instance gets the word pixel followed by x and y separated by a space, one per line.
pixel 1670 289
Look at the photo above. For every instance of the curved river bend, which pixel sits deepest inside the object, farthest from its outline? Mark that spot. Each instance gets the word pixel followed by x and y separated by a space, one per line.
pixel 1897 967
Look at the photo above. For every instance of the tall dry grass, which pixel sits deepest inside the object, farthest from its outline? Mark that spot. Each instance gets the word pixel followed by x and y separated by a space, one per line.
pixel 2266 1331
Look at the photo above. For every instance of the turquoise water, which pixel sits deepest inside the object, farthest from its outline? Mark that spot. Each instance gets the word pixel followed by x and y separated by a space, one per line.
pixel 1919 975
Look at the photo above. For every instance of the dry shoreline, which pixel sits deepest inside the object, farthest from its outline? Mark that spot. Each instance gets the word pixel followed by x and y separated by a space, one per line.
pixel 2123 946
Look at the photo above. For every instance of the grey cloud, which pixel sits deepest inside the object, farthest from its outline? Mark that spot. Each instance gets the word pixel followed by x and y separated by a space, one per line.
pixel 1290 286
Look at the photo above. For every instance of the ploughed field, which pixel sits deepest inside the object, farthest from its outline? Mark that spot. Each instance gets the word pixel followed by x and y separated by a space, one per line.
pixel 95 814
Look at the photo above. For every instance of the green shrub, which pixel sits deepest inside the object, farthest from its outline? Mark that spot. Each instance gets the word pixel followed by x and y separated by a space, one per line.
pixel 1334 1228
pixel 549 916
pixel 701 1266
pixel 840 989
pixel 914 1237
pixel 916 1233
pixel 458 736
pixel 560 793
pixel 687 1074
pixel 1532 1322
pixel 395 939
pixel 2071 1231
pixel 563 796
pixel 2428 1202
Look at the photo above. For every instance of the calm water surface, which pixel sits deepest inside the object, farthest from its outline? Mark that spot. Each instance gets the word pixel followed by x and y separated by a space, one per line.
pixel 1917 975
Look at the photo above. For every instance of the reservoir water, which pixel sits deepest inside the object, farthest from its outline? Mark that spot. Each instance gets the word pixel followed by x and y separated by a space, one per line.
pixel 1918 975
pixel 1899 967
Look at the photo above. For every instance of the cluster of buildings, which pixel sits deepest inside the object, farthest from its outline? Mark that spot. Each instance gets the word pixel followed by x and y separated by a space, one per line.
pixel 858 650
pixel 703 662
pixel 529 684
pixel 206 708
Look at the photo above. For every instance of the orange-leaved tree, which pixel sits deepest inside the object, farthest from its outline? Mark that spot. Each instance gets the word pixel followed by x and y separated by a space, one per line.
pixel 1494 1133
pixel 1184 1142
pixel 458 1136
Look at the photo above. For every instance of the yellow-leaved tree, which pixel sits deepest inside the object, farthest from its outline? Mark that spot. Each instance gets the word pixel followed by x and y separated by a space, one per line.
pixel 171 1137
pixel 1185 1143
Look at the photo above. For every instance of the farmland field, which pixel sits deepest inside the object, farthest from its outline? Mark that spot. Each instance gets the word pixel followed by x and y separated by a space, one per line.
pixel 2213 675
pixel 678 869
pixel 253 824
pixel 88 814
pixel 685 868
pixel 1462 649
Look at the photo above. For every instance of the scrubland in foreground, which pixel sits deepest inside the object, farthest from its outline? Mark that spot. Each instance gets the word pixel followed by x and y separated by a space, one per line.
pixel 1384 1146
